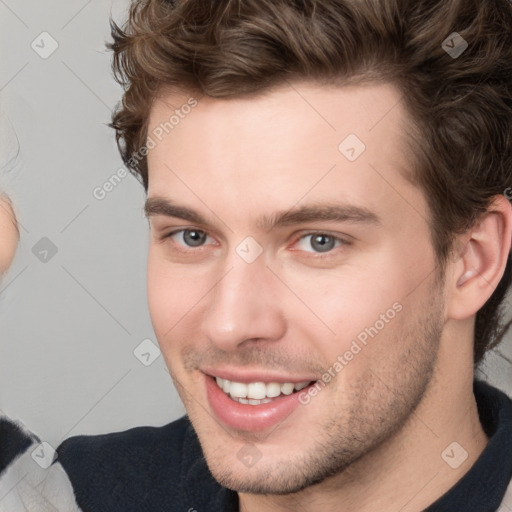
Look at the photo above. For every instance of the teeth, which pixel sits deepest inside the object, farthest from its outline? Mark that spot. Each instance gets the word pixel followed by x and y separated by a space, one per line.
pixel 287 388
pixel 252 401
pixel 273 389
pixel 256 393
pixel 238 390
pixel 256 390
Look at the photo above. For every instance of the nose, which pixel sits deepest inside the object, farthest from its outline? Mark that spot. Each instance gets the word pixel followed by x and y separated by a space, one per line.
pixel 243 305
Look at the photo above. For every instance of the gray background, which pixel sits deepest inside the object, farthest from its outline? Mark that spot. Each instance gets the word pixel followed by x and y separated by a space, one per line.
pixel 70 321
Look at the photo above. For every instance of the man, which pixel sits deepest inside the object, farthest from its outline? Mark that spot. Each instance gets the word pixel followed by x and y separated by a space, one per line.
pixel 329 254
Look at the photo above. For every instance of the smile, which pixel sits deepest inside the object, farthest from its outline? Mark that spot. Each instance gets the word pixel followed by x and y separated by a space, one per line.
pixel 253 405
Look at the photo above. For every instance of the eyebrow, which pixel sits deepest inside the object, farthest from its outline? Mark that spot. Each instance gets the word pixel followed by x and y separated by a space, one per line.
pixel 334 212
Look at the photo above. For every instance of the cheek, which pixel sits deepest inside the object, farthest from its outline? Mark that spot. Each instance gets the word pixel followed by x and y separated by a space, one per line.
pixel 174 293
pixel 344 301
pixel 166 309
pixel 355 303
pixel 163 295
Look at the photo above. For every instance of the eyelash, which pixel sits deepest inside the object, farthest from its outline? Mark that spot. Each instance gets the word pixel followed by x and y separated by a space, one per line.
pixel 317 255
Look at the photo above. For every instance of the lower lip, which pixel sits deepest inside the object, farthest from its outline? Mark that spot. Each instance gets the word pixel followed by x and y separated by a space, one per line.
pixel 249 417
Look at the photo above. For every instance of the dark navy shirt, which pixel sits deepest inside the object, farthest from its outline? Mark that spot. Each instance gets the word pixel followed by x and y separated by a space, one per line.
pixel 150 469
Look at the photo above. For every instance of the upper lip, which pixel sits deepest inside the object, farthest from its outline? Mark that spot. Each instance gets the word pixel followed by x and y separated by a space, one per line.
pixel 246 376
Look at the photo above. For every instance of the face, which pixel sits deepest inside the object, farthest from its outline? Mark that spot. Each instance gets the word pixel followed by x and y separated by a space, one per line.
pixel 285 256
pixel 8 234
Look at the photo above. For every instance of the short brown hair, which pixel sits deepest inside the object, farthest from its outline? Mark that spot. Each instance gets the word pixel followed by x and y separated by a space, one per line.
pixel 461 105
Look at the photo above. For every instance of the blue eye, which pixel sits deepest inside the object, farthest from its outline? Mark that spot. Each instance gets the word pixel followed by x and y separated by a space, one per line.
pixel 189 237
pixel 319 242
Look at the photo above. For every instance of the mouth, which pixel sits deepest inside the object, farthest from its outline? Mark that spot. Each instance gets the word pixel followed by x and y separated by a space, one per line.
pixel 253 405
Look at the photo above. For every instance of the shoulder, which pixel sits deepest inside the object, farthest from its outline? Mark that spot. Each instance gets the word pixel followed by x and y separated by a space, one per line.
pixel 494 407
pixel 130 470
pixel 139 445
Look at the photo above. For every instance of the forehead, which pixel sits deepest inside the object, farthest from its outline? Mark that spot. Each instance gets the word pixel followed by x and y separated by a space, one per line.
pixel 300 141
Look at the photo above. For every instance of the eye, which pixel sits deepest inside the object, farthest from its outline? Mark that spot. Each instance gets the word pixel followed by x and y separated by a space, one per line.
pixel 319 242
pixel 190 237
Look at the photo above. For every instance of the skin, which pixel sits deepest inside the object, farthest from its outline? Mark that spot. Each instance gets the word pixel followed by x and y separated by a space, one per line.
pixel 372 439
pixel 8 234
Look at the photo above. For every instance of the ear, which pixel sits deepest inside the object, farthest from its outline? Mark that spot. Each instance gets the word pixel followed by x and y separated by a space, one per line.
pixel 480 262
